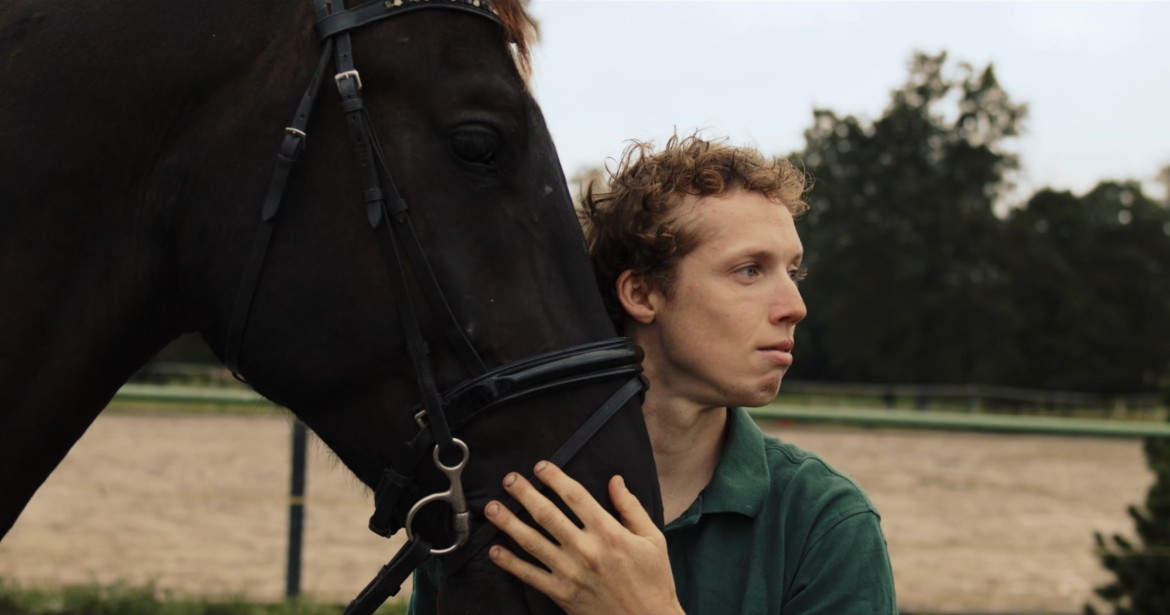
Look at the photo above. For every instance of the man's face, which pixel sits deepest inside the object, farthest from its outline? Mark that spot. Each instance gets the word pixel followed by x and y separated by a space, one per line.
pixel 724 334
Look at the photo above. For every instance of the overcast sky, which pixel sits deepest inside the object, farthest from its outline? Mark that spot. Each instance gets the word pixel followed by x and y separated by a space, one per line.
pixel 1095 75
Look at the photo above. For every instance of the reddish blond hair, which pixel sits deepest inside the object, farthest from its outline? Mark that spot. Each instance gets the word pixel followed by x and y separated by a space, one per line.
pixel 634 224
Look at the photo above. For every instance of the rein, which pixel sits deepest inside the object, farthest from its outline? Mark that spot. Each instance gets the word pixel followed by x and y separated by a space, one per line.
pixel 438 415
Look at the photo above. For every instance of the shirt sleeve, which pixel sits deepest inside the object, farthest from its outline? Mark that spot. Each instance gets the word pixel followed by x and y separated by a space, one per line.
pixel 424 593
pixel 845 572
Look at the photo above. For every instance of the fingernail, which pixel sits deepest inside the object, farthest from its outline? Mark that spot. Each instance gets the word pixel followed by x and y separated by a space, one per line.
pixel 493 509
pixel 621 483
pixel 494 552
pixel 509 479
pixel 541 465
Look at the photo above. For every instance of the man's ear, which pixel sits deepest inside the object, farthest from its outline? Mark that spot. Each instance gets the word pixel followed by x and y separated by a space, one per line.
pixel 636 297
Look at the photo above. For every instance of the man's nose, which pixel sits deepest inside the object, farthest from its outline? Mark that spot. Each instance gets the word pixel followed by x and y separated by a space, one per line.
pixel 789 306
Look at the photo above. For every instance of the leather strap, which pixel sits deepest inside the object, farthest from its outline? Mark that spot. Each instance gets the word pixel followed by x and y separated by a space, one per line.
pixel 389 579
pixel 378 188
pixel 365 14
pixel 290 149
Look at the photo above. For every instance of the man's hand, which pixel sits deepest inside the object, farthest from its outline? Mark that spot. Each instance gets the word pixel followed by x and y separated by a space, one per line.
pixel 603 568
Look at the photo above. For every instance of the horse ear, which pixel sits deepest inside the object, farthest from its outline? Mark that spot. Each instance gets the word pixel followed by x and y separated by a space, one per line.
pixel 637 297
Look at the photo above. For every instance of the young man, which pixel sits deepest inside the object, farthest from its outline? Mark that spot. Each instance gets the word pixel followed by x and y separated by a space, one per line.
pixel 699 259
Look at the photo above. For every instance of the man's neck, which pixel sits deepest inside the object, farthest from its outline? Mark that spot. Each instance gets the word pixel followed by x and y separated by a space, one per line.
pixel 687 441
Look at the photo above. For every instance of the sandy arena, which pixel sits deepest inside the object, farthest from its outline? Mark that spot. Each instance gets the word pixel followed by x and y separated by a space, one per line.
pixel 977 523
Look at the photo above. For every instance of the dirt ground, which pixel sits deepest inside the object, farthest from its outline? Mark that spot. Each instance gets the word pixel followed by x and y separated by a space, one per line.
pixel 976 522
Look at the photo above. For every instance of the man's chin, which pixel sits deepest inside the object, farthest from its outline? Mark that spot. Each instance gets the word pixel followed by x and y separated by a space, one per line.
pixel 763 395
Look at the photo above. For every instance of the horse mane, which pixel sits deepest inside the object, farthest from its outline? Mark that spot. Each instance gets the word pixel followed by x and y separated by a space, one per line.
pixel 520 30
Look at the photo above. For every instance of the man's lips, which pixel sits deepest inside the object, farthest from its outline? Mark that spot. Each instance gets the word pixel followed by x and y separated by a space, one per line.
pixel 780 353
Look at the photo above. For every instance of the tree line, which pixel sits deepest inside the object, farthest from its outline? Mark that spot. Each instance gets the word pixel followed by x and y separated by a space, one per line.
pixel 917 275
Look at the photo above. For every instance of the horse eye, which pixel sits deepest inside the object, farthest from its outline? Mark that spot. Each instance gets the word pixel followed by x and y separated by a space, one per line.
pixel 476 145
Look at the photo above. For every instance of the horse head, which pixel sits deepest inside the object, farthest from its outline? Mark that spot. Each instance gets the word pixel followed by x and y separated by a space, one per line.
pixel 311 314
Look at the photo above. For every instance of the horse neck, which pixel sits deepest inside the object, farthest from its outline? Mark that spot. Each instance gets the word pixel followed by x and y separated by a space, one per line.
pixel 90 307
pixel 96 164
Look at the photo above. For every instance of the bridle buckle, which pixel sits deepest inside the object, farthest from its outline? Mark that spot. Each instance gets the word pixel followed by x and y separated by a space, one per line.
pixel 349 74
pixel 299 134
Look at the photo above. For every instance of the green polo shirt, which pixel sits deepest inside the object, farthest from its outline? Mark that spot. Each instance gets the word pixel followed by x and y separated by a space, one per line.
pixel 779 531
pixel 776 531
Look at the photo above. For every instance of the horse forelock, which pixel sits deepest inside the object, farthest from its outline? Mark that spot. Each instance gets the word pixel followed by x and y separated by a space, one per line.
pixel 520 30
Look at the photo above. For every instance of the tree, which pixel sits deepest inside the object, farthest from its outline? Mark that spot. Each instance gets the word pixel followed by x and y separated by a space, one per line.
pixel 1164 179
pixel 1090 277
pixel 1142 570
pixel 902 229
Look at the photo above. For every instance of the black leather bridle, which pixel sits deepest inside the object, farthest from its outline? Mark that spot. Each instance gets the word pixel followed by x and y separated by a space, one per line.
pixel 438 415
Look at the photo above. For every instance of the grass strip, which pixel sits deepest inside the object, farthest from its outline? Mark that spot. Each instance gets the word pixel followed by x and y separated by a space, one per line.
pixel 128 599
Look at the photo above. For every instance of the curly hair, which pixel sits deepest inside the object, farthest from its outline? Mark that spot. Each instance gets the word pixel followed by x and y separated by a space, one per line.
pixel 635 223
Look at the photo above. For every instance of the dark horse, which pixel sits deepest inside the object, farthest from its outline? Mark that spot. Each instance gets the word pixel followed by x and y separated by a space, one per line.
pixel 137 145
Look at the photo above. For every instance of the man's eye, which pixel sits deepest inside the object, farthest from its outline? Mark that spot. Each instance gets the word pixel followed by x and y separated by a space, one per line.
pixel 798 274
pixel 750 271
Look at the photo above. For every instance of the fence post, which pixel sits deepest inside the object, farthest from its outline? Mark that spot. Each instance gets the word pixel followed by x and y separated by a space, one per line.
pixel 296 511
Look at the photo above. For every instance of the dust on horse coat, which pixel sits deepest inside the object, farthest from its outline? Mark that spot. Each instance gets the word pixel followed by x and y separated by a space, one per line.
pixel 136 144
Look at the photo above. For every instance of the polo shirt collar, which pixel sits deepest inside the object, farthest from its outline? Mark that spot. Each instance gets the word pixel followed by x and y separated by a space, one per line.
pixel 740 482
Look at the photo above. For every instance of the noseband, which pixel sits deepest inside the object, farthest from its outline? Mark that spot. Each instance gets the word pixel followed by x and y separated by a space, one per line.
pixel 438 415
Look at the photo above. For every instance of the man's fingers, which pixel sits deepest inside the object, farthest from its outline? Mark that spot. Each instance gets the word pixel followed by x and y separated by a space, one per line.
pixel 542 580
pixel 544 512
pixel 633 514
pixel 575 496
pixel 526 536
